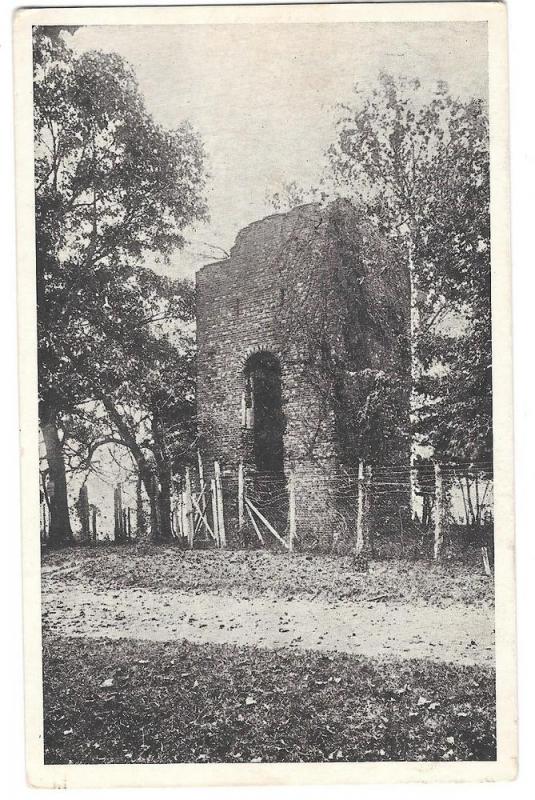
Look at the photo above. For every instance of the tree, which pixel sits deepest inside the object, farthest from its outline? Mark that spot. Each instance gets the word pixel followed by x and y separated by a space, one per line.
pixel 110 185
pixel 455 337
pixel 291 195
pixel 142 376
pixel 417 160
pixel 150 398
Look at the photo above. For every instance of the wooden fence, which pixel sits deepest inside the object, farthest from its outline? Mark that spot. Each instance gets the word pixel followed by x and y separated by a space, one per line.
pixel 209 505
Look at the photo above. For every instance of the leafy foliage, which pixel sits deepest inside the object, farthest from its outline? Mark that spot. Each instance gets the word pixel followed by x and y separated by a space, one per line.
pixel 111 186
pixel 344 316
pixel 290 195
pixel 418 161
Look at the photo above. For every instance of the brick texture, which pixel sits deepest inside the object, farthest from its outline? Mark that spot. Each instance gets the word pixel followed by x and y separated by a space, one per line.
pixel 282 270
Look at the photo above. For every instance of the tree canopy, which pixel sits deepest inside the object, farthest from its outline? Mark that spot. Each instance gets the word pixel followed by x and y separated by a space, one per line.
pixel 417 161
pixel 112 185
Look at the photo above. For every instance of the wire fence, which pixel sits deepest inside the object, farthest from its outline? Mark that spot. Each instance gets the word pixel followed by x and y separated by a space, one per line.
pixel 381 511
pixel 423 510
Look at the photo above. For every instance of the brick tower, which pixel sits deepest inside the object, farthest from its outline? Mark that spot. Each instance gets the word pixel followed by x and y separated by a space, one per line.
pixel 266 316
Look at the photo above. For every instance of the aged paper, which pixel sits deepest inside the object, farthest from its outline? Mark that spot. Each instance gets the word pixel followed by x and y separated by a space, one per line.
pixel 265 390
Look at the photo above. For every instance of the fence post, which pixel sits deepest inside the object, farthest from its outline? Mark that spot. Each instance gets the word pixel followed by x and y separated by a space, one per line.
pixel 156 533
pixel 439 512
pixel 215 525
pixel 181 513
pixel 83 509
pixel 201 482
pixel 188 506
pixel 359 544
pixel 43 519
pixel 118 513
pixel 413 483
pixel 486 562
pixel 241 502
pixel 220 510
pixel 291 511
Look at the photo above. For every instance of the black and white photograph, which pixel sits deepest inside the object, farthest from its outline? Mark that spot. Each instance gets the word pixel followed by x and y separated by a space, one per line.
pixel 268 498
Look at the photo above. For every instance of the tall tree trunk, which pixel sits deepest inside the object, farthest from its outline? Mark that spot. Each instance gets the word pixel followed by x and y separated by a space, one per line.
pixel 147 478
pixel 164 501
pixel 141 527
pixel 163 466
pixel 60 532
pixel 469 501
pixel 154 501
pixel 415 373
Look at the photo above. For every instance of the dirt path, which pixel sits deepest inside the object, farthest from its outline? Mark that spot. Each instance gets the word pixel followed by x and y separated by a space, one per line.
pixel 458 634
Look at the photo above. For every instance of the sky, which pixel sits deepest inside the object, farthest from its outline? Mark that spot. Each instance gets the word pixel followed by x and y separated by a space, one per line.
pixel 263 98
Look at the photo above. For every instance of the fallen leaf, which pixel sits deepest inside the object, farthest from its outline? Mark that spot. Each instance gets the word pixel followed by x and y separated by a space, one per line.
pixel 422 701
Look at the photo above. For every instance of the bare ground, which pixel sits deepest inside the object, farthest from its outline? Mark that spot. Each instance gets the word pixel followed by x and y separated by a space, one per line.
pixel 273 601
pixel 155 655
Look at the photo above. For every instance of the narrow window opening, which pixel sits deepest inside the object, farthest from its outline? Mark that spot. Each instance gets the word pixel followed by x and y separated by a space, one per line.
pixel 262 402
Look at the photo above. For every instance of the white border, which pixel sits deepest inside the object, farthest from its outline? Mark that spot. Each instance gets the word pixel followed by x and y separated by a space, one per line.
pixel 231 774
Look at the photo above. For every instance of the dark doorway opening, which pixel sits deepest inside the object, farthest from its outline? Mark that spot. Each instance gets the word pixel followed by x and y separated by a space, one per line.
pixel 264 411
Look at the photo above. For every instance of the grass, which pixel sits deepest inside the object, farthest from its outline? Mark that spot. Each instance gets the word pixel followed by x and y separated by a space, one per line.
pixel 248 573
pixel 134 702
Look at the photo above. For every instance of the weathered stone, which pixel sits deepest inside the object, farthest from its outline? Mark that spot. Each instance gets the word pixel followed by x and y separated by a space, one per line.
pixel 281 268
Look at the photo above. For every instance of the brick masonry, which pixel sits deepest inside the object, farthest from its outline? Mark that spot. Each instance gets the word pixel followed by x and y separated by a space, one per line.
pixel 282 270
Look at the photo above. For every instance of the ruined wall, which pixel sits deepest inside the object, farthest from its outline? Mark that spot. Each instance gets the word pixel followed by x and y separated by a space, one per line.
pixel 236 300
pixel 281 271
pixel 239 306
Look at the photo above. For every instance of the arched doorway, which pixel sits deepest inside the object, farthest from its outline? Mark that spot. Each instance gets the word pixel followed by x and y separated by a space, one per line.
pixel 263 415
